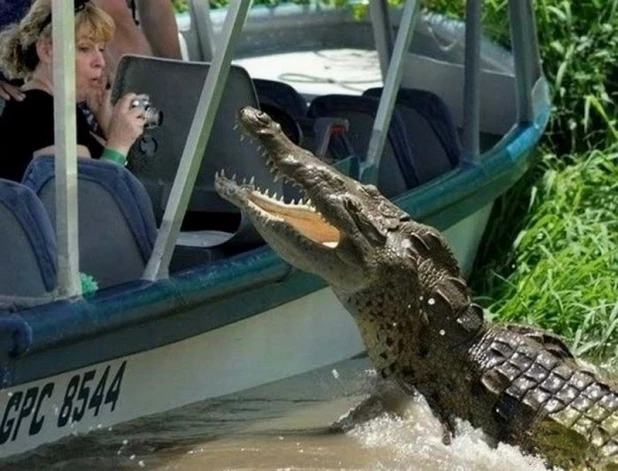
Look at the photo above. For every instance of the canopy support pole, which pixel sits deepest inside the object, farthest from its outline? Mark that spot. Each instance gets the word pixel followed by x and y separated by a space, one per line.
pixel 369 171
pixel 472 81
pixel 157 267
pixel 525 52
pixel 382 33
pixel 65 141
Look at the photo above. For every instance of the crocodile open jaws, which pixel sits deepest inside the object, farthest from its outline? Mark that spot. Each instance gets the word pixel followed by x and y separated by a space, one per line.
pixel 403 287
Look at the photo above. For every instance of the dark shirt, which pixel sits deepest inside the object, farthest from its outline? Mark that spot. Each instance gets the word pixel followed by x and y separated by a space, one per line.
pixel 12 11
pixel 27 126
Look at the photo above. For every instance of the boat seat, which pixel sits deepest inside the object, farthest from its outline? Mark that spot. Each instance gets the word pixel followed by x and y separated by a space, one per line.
pixel 430 129
pixel 397 172
pixel 175 87
pixel 117 229
pixel 28 249
pixel 282 95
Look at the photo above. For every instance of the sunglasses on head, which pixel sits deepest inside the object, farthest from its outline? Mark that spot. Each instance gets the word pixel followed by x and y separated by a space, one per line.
pixel 79 5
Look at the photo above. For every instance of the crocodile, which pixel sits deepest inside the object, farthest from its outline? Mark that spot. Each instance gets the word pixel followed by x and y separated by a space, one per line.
pixel 402 284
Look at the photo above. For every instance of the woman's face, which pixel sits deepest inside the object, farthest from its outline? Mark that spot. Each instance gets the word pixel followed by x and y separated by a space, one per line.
pixel 89 64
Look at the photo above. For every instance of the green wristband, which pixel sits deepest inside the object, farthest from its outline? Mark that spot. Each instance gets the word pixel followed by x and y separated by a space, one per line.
pixel 114 156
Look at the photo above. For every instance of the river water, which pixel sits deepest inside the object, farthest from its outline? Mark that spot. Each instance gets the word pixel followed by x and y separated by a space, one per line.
pixel 282 426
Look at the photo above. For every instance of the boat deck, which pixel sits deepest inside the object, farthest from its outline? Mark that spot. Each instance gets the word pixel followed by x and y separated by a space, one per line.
pixel 314 73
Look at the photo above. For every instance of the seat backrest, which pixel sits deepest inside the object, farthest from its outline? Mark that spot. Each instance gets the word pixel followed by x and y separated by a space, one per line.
pixel 174 87
pixel 396 173
pixel 28 249
pixel 282 95
pixel 430 129
pixel 117 229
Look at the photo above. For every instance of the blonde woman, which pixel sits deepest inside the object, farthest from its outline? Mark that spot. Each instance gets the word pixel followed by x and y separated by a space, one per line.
pixel 27 126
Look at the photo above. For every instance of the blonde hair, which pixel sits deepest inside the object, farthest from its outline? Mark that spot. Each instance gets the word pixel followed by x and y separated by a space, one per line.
pixel 18 55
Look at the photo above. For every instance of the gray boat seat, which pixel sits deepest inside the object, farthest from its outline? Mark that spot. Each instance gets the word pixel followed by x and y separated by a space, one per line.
pixel 397 173
pixel 117 229
pixel 430 129
pixel 282 95
pixel 174 87
pixel 28 249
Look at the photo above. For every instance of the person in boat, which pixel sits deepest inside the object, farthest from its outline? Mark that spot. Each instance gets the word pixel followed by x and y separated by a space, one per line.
pixel 155 33
pixel 27 126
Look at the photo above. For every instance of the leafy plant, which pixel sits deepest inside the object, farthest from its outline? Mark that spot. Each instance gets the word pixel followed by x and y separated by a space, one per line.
pixel 565 259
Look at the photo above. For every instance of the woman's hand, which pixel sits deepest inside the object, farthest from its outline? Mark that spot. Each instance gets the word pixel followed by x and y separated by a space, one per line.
pixel 100 103
pixel 8 92
pixel 126 125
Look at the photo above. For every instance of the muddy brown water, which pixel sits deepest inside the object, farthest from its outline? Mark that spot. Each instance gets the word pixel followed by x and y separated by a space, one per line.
pixel 282 426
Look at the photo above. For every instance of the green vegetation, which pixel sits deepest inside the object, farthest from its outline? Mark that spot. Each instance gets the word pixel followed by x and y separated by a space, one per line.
pixel 560 271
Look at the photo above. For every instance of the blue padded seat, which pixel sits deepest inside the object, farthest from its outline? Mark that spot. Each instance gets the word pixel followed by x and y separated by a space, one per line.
pixel 117 228
pixel 282 95
pixel 28 248
pixel 431 131
pixel 397 172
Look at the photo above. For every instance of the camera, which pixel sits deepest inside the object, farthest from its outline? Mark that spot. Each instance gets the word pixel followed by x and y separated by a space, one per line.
pixel 153 117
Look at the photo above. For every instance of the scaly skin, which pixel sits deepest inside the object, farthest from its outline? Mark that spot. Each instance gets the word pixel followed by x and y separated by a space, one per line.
pixel 401 283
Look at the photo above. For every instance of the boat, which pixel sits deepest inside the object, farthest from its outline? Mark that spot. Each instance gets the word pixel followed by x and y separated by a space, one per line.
pixel 211 309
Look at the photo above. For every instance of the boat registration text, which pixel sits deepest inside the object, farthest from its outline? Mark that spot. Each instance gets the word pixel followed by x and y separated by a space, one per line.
pixel 88 393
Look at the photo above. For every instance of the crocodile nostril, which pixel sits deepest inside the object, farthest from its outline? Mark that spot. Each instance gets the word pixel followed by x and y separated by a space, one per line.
pixel 263 117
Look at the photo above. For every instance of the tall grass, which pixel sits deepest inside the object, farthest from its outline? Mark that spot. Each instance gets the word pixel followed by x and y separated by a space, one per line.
pixel 564 262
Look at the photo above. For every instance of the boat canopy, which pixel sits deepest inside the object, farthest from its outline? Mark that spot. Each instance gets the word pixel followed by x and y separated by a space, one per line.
pixel 391 51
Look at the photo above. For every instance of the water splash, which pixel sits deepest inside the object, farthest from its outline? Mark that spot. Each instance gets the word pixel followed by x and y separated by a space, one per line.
pixel 415 442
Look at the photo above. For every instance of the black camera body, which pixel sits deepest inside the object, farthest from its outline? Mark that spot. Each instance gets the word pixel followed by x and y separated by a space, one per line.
pixel 153 117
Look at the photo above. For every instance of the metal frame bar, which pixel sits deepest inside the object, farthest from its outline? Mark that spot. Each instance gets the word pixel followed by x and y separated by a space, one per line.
pixel 197 140
pixel 63 36
pixel 526 55
pixel 411 11
pixel 199 11
pixel 382 33
pixel 472 81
